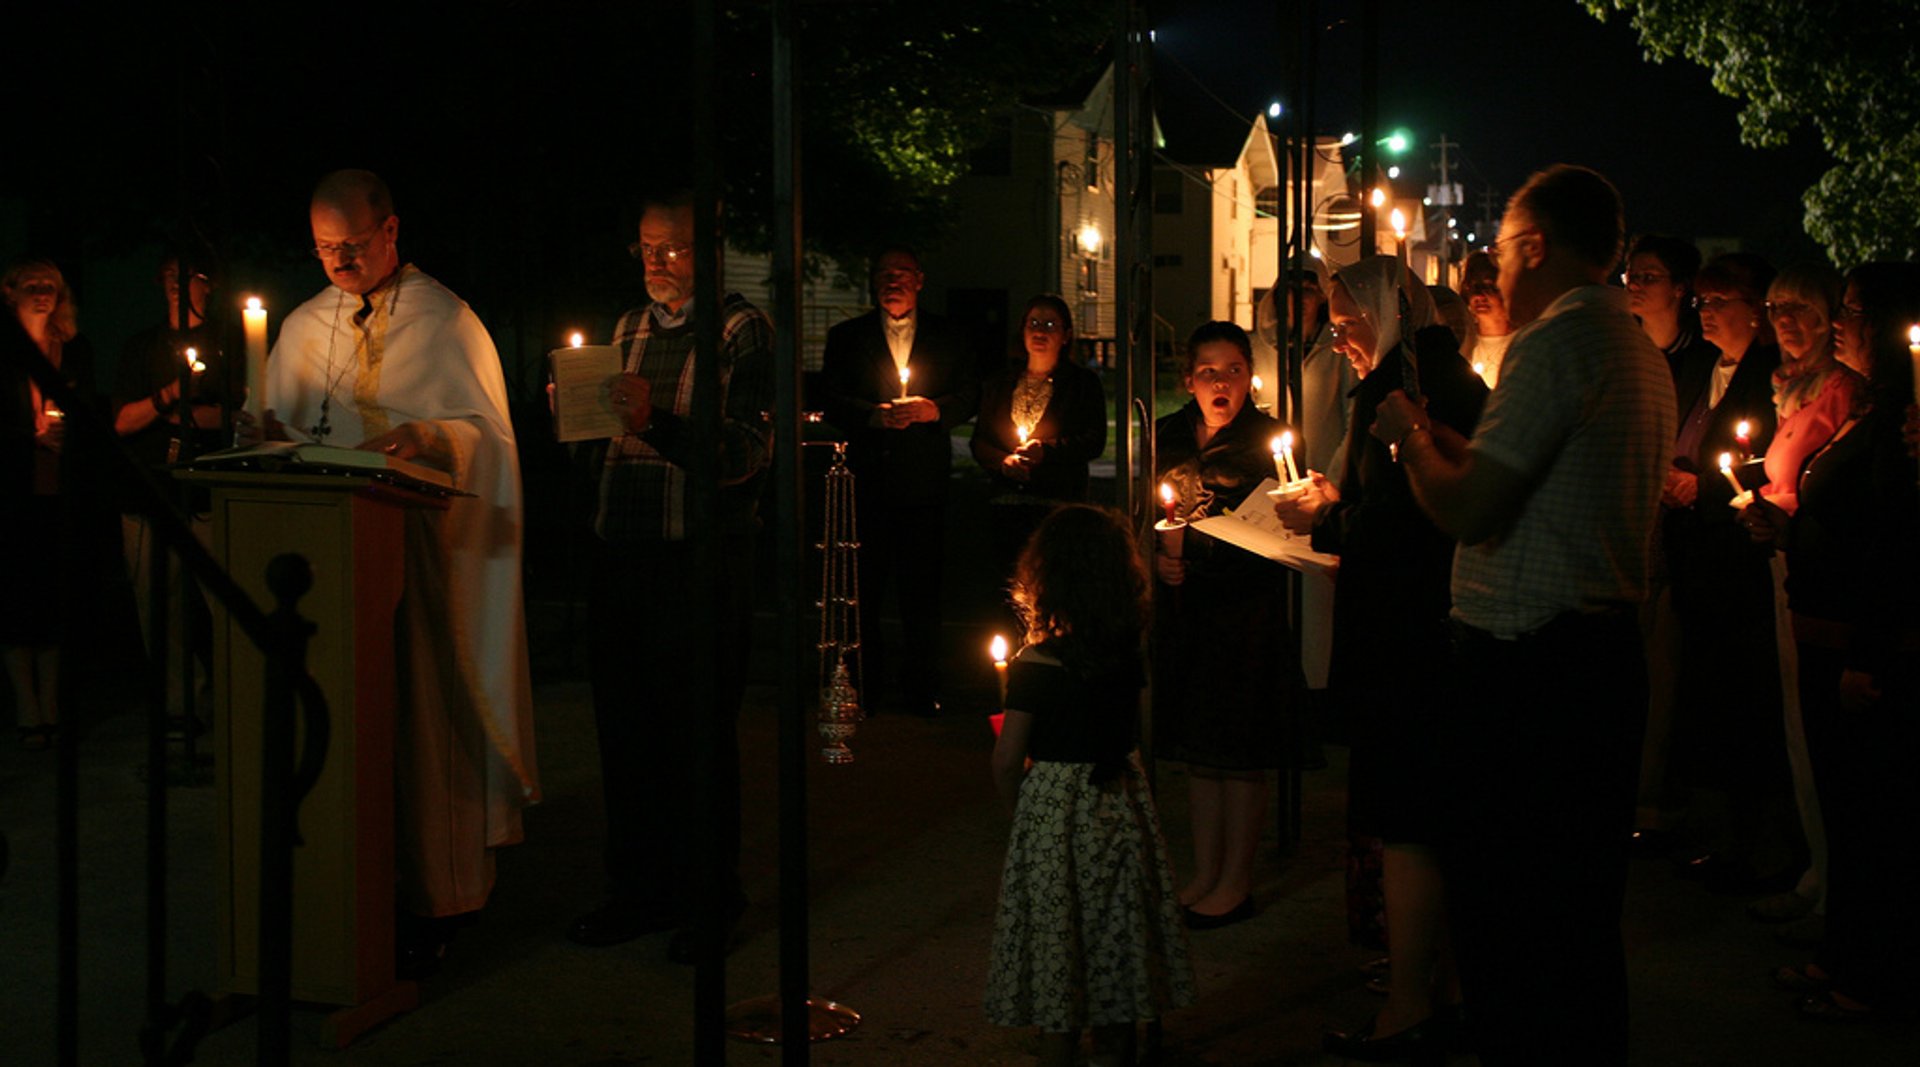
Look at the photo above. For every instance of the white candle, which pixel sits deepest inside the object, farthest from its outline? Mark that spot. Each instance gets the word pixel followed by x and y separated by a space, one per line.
pixel 1726 471
pixel 1913 353
pixel 904 375
pixel 254 326
pixel 1288 472
pixel 997 648
pixel 1023 433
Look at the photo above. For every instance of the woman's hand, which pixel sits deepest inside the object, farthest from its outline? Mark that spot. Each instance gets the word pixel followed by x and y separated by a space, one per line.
pixel 1015 466
pixel 1171 571
pixel 52 435
pixel 1764 522
pixel 1302 513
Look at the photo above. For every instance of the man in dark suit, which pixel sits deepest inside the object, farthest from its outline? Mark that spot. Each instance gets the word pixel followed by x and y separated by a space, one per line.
pixel 897 381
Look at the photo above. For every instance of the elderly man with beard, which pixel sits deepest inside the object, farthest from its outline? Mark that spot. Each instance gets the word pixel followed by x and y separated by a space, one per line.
pixel 643 569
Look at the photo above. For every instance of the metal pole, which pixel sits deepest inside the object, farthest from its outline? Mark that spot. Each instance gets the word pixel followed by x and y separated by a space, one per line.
pixel 1125 340
pixel 1369 121
pixel 713 904
pixel 788 468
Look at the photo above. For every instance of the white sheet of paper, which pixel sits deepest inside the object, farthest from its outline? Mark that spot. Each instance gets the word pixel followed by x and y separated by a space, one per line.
pixel 582 407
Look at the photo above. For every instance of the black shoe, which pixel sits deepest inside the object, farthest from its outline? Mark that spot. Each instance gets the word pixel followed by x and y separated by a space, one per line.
pixel 680 950
pixel 1240 912
pixel 1420 1043
pixel 616 922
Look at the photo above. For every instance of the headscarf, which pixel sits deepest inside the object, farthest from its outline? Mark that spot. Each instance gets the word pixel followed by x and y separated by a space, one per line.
pixel 1376 283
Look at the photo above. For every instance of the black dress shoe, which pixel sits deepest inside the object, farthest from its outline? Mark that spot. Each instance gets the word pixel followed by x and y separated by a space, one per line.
pixel 1240 912
pixel 617 922
pixel 1421 1043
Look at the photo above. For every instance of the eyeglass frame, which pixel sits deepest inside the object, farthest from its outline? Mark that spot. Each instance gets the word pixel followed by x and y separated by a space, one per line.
pixel 663 253
pixel 1643 278
pixel 1715 303
pixel 1493 249
pixel 350 248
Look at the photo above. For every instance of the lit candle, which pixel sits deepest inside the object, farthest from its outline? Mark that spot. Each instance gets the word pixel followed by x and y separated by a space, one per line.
pixel 905 374
pixel 1743 435
pixel 1257 386
pixel 1913 353
pixel 1726 471
pixel 576 339
pixel 193 360
pixel 1023 433
pixel 1170 532
pixel 1283 457
pixel 1480 369
pixel 254 327
pixel 997 648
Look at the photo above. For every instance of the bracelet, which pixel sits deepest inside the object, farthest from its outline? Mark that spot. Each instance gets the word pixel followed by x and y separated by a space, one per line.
pixel 1411 430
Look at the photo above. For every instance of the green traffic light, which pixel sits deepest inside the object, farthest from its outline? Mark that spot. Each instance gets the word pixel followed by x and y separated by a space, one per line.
pixel 1397 141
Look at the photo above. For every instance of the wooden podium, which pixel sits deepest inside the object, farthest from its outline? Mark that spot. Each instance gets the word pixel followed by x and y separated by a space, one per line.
pixel 350 528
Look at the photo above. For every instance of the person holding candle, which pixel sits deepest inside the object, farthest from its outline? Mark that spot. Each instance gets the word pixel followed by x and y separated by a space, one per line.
pixel 1226 675
pixel 1390 604
pixel 1553 500
pixel 649 706
pixel 158 427
pixel 1041 423
pixel 1813 394
pixel 1493 328
pixel 388 360
pixel 1726 728
pixel 41 537
pixel 1088 932
pixel 1853 578
pixel 900 449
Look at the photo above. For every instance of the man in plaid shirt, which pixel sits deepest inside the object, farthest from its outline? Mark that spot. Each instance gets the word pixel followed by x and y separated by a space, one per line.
pixel 1553 502
pixel 643 569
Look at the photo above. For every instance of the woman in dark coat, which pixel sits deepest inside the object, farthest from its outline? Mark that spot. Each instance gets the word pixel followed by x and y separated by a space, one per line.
pixel 1389 640
pixel 1225 670
pixel 1041 423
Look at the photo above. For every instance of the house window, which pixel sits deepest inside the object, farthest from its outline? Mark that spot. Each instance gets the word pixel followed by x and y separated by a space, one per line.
pixel 1267 202
pixel 1090 169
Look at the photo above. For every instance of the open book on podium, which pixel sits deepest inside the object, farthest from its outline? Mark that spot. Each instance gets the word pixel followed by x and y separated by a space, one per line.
pixel 1257 529
pixel 292 457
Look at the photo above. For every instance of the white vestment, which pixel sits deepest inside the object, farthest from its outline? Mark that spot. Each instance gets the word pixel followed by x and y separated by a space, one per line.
pixel 412 352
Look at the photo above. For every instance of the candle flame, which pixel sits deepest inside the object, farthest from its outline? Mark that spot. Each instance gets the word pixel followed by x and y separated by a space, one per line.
pixel 1284 441
pixel 1399 218
pixel 253 304
pixel 905 373
pixel 193 355
pixel 1726 462
pixel 1166 493
pixel 997 648
pixel 1257 385
pixel 576 339
pixel 1023 433
pixel 1913 334
pixel 1742 429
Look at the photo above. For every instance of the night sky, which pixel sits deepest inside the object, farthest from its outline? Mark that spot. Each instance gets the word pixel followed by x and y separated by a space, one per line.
pixel 1520 85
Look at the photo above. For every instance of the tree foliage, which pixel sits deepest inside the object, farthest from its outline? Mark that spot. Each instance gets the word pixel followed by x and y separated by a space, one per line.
pixel 1849 68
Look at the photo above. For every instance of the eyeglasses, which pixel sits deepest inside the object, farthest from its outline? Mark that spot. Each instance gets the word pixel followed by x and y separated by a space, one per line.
pixel 1493 250
pixel 1715 303
pixel 1643 278
pixel 1340 330
pixel 651 253
pixel 1850 313
pixel 1047 325
pixel 1794 308
pixel 1482 289
pixel 904 274
pixel 349 249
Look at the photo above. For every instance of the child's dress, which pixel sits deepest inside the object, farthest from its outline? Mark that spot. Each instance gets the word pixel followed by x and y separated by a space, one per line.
pixel 1089 931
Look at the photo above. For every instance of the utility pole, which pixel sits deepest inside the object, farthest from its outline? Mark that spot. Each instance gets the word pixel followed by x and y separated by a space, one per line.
pixel 1446 202
pixel 1487 219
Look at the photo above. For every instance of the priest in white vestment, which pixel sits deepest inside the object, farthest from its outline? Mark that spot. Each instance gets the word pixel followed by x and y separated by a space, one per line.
pixel 389 360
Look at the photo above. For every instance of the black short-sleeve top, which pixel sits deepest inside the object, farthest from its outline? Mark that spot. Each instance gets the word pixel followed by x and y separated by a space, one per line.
pixel 1077 717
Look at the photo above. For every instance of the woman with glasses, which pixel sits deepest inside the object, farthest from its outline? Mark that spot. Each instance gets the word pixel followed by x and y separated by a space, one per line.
pixel 1041 422
pixel 1659 281
pixel 1813 393
pixel 36 540
pixel 1853 585
pixel 1389 646
pixel 1726 727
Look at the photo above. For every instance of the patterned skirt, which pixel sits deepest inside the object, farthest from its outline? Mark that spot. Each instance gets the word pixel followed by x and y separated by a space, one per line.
pixel 1089 931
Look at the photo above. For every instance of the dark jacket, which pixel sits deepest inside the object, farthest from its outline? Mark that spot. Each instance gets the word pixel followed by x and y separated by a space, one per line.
pixel 907 467
pixel 1709 555
pixel 1073 429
